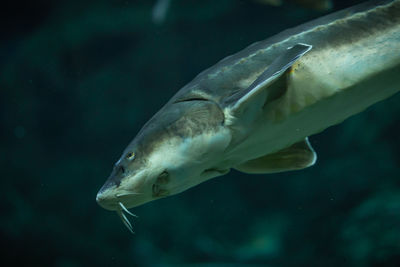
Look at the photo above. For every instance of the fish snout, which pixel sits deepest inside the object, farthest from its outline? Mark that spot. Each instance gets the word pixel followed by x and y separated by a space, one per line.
pixel 106 197
pixel 110 197
pixel 107 200
pixel 110 200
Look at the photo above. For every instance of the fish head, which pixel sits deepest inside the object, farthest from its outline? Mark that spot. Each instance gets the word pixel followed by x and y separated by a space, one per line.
pixel 172 152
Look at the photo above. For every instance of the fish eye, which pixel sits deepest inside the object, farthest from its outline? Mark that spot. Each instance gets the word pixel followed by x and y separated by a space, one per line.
pixel 130 156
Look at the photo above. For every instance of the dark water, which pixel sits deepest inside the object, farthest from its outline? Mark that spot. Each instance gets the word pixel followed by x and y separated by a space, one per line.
pixel 79 78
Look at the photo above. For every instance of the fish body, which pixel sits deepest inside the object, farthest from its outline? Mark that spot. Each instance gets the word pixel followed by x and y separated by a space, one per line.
pixel 313 4
pixel 253 111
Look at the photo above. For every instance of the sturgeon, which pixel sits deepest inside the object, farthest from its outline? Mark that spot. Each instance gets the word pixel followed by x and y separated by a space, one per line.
pixel 254 111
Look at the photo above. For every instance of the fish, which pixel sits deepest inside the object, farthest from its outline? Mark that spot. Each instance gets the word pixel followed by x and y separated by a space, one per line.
pixel 160 11
pixel 319 5
pixel 255 110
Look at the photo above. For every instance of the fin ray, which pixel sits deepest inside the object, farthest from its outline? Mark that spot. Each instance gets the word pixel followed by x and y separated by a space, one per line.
pixel 296 157
pixel 278 67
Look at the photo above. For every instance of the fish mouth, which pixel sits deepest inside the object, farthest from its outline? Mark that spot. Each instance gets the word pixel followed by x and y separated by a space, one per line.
pixel 105 201
pixel 115 203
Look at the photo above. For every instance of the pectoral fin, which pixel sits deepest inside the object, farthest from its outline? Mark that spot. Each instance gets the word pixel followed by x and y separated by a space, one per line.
pixel 261 86
pixel 298 156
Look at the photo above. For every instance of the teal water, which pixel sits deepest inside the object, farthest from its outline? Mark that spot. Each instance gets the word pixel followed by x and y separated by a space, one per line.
pixel 78 79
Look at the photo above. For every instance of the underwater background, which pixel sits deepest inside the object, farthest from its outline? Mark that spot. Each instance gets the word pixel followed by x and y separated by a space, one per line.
pixel 78 79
